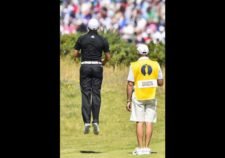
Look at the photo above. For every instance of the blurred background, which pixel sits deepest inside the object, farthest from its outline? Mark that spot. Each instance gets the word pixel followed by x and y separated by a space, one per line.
pixel 136 21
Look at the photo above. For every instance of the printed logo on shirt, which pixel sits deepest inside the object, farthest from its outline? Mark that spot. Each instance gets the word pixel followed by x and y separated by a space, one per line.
pixel 92 36
pixel 146 69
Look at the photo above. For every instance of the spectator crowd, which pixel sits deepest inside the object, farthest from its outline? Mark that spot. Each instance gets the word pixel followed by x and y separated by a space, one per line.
pixel 135 20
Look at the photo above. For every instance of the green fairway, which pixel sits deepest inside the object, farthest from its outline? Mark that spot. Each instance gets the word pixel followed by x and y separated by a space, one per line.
pixel 117 137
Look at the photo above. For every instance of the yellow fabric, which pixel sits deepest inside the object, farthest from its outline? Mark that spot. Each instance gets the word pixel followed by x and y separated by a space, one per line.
pixel 145 70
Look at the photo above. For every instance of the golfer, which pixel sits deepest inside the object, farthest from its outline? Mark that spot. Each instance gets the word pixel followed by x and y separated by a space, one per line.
pixel 91 45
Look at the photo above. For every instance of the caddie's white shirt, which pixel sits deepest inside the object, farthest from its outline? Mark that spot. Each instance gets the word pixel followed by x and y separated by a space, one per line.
pixel 131 75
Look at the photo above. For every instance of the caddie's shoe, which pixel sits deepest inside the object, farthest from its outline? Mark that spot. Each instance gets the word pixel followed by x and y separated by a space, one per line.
pixel 96 128
pixel 138 151
pixel 146 151
pixel 86 128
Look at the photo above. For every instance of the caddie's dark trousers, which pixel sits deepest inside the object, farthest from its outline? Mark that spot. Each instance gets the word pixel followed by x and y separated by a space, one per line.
pixel 90 84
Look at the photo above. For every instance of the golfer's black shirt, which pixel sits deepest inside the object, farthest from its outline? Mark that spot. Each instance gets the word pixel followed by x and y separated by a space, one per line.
pixel 91 45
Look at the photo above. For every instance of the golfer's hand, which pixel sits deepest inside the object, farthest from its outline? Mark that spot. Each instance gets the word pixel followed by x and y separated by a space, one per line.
pixel 128 106
pixel 103 62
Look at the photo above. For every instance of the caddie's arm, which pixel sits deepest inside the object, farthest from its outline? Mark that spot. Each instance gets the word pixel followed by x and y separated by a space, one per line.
pixel 160 82
pixel 160 77
pixel 129 94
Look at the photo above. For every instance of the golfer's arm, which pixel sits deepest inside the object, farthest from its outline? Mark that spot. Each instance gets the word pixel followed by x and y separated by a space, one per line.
pixel 129 90
pixel 107 58
pixel 76 53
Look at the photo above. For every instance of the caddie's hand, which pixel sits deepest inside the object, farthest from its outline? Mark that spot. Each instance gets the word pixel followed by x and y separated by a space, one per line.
pixel 128 106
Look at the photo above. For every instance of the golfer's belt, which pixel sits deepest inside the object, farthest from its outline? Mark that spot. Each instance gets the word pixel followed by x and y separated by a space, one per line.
pixel 91 62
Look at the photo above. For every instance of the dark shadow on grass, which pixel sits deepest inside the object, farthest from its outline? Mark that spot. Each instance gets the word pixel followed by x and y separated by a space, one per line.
pixel 89 152
pixel 153 152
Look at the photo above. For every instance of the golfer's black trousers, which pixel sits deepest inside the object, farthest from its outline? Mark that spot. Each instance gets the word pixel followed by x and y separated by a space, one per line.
pixel 90 84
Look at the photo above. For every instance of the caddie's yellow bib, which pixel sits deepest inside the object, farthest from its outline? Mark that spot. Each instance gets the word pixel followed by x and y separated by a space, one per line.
pixel 145 78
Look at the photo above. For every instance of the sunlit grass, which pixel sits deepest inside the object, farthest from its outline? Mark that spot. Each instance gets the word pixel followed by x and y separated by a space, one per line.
pixel 117 137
